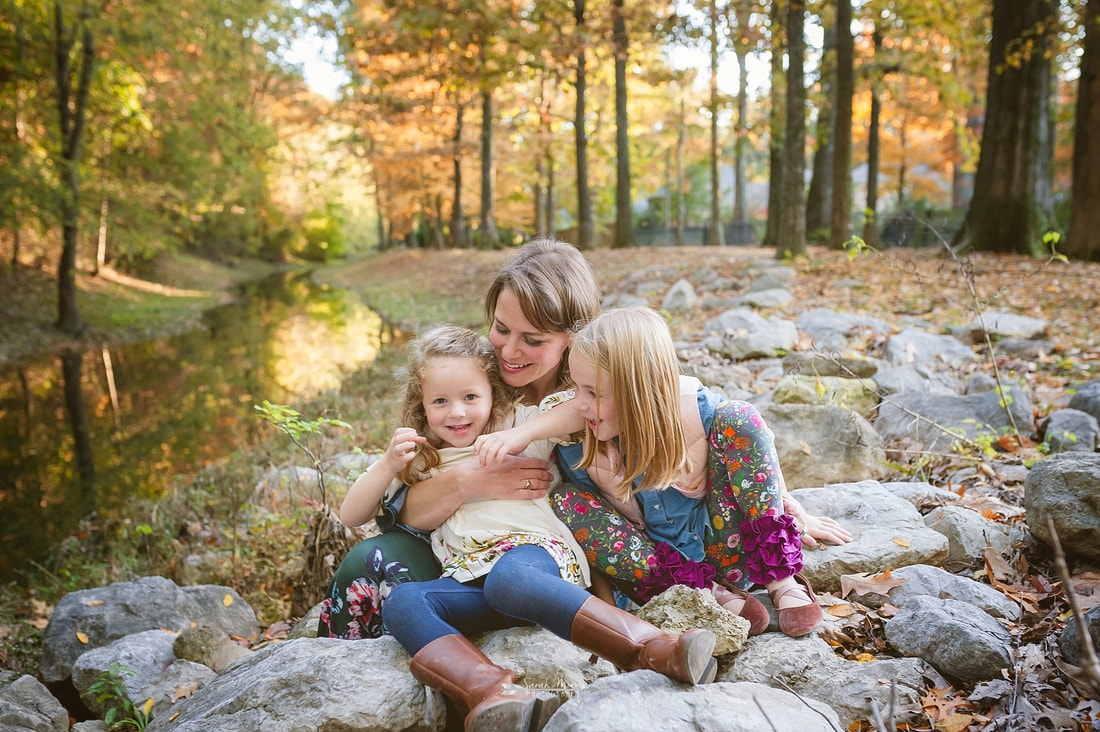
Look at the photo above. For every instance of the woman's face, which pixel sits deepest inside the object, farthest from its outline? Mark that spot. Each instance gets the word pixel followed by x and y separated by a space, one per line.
pixel 529 358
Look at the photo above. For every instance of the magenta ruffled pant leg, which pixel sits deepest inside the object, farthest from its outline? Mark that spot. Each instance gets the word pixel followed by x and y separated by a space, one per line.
pixel 750 537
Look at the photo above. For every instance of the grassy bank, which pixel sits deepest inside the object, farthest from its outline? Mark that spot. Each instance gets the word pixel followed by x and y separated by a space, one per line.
pixel 115 307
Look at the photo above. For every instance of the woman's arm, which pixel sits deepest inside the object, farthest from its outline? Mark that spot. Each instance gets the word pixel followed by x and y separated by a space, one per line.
pixel 361 503
pixel 431 502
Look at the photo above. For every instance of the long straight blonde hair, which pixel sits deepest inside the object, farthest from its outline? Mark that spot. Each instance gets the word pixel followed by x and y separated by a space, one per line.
pixel 633 347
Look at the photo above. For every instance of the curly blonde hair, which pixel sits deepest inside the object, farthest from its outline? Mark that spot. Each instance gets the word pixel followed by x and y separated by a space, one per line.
pixel 447 341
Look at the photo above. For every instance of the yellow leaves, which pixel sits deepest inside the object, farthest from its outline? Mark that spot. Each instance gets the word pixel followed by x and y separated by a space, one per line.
pixel 147 706
pixel 81 637
pixel 901 542
pixel 865 658
pixel 841 610
pixel 227 600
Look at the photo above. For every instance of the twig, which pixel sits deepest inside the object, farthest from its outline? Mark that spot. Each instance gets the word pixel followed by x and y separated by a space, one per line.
pixel 891 708
pixel 766 718
pixel 784 684
pixel 1091 665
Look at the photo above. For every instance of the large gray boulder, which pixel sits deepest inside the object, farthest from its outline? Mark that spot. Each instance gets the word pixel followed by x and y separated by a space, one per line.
pixel 960 643
pixel 1066 487
pixel 88 619
pixel 819 444
pixel 642 701
pixel 888 533
pixel 922 580
pixel 1070 430
pixel 920 347
pixel 941 421
pixel 28 706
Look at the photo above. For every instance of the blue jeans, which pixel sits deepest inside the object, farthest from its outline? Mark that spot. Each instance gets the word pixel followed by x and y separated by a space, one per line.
pixel 523 587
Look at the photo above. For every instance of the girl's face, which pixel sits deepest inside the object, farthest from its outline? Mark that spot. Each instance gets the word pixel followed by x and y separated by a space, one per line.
pixel 598 412
pixel 458 400
pixel 529 358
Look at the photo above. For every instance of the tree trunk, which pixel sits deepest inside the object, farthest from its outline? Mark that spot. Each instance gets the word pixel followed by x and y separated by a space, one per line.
pixel 585 223
pixel 870 220
pixel 714 237
pixel 101 240
pixel 489 236
pixel 71 114
pixel 624 229
pixel 1005 214
pixel 740 213
pixel 1083 240
pixel 840 228
pixel 680 206
pixel 792 215
pixel 458 226
pixel 551 206
pixel 819 199
pixel 776 122
pixel 71 367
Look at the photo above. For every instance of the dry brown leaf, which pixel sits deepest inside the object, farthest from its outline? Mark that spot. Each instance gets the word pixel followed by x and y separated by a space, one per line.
pixel 39 623
pixel 879 584
pixel 954 723
pixel 901 542
pixel 996 567
pixel 841 610
pixel 183 691
pixel 41 609
pixel 94 603
pixel 174 715
pixel 865 658
pixel 81 637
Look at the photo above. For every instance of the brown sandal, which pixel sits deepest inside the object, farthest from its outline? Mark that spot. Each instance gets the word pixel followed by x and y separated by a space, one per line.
pixel 751 609
pixel 796 621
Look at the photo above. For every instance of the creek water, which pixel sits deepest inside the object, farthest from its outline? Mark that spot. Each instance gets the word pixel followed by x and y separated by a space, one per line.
pixel 84 433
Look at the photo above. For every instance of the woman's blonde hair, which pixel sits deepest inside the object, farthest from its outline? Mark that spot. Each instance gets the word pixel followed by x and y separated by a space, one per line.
pixel 446 341
pixel 555 286
pixel 633 347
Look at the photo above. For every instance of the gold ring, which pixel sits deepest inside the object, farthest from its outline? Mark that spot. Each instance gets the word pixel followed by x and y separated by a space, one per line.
pixel 527 484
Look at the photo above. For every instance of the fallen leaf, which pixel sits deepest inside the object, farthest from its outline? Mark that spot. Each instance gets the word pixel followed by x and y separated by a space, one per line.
pixel 841 610
pixel 954 723
pixel 174 715
pixel 227 600
pixel 94 603
pixel 39 623
pixel 901 542
pixel 184 691
pixel 996 567
pixel 805 447
pixel 148 706
pixel 865 658
pixel 879 584
pixel 81 637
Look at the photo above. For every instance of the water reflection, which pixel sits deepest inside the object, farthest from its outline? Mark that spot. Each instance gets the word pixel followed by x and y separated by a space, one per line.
pixel 89 431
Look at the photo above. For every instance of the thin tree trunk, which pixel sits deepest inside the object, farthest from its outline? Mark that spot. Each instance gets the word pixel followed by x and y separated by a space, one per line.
pixel 101 240
pixel 870 220
pixel 585 223
pixel 792 215
pixel 458 225
pixel 840 228
pixel 715 237
pixel 776 125
pixel 819 199
pixel 668 197
pixel 550 202
pixel 740 214
pixel 71 367
pixel 680 205
pixel 1083 240
pixel 489 236
pixel 624 228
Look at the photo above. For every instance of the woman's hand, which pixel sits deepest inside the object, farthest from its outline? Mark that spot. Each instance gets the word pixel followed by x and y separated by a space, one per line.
pixel 815 529
pixel 512 476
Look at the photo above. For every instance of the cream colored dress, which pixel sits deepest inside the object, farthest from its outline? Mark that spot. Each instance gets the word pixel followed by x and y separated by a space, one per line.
pixel 481 530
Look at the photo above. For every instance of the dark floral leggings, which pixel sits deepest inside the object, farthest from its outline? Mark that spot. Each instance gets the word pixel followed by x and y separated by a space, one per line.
pixel 748 537
pixel 353 608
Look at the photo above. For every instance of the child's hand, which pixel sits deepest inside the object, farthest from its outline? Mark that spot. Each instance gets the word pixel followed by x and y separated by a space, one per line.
pixel 402 448
pixel 491 448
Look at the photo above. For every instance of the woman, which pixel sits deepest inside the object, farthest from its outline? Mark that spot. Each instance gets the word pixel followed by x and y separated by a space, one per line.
pixel 544 291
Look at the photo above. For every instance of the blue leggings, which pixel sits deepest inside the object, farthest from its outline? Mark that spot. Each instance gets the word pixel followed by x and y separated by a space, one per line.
pixel 523 587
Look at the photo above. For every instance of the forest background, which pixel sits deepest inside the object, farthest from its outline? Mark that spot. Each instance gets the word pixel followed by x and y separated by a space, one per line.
pixel 135 133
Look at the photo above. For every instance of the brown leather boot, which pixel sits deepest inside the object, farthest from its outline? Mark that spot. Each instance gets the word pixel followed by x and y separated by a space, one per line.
pixel 747 607
pixel 631 643
pixel 460 670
